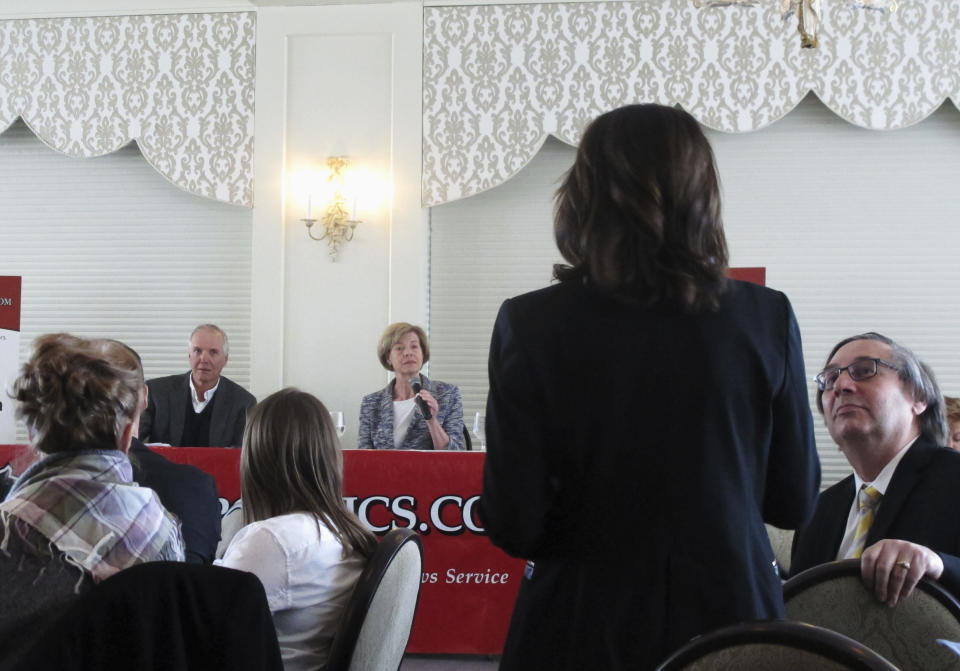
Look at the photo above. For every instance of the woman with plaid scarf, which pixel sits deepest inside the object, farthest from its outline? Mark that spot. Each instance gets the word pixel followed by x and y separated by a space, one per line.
pixel 75 516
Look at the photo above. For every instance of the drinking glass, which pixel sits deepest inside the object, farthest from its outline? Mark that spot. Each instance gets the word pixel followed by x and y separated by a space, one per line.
pixel 479 425
pixel 337 418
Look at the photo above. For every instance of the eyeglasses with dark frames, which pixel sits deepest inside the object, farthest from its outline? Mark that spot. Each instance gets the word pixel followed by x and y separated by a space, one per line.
pixel 859 370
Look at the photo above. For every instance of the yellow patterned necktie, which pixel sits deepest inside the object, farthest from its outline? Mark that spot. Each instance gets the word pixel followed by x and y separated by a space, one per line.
pixel 868 499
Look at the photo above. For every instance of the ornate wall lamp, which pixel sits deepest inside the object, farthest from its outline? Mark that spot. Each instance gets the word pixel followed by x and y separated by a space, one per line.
pixel 338 224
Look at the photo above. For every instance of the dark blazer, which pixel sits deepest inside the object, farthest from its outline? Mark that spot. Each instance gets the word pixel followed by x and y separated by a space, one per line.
pixel 163 420
pixel 920 506
pixel 376 419
pixel 635 454
pixel 162 616
pixel 185 491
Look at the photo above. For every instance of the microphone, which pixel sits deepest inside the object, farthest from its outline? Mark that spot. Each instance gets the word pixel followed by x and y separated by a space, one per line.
pixel 424 408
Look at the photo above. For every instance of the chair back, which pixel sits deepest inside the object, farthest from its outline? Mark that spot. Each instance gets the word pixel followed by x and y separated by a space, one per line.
pixel 467 443
pixel 163 616
pixel 781 541
pixel 379 616
pixel 774 645
pixel 833 596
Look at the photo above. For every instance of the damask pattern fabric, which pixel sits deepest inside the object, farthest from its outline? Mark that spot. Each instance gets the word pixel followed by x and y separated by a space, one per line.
pixel 181 85
pixel 498 79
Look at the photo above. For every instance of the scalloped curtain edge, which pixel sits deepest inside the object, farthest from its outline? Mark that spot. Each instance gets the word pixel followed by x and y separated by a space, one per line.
pixel 120 145
pixel 955 99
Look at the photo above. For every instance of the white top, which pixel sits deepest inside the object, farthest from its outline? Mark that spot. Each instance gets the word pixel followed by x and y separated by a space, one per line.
pixel 308 584
pixel 881 483
pixel 402 416
pixel 198 406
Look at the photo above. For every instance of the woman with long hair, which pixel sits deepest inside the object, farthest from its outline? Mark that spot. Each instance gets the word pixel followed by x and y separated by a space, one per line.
pixel 646 415
pixel 301 541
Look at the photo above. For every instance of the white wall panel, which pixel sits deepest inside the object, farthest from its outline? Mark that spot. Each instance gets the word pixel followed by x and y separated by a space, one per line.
pixel 858 227
pixel 339 79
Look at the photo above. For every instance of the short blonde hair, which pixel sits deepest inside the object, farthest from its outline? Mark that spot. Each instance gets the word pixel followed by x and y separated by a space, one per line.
pixel 952 406
pixel 394 334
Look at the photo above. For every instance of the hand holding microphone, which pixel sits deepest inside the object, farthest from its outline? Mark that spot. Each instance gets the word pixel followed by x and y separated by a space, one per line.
pixel 421 403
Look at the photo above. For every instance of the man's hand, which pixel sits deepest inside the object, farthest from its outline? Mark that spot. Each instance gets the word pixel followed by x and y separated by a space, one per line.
pixel 892 568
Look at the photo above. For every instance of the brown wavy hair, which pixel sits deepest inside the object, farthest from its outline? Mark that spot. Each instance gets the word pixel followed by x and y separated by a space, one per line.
pixel 72 397
pixel 638 214
pixel 291 462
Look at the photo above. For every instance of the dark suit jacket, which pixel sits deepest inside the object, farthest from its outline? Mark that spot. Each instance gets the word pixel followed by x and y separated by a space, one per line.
pixel 162 616
pixel 920 506
pixel 163 420
pixel 185 491
pixel 635 454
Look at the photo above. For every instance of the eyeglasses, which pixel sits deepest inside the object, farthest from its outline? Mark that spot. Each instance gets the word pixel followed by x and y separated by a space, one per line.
pixel 859 370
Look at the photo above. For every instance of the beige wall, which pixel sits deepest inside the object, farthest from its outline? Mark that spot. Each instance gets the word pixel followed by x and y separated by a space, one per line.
pixel 335 80
pixel 331 79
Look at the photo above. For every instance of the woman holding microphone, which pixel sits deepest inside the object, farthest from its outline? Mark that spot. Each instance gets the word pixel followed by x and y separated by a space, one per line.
pixel 412 412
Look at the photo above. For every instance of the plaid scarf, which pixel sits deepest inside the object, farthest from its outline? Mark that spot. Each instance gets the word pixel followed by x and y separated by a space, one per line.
pixel 85 504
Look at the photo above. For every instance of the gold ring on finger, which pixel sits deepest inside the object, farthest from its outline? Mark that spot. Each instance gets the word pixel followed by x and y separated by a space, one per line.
pixel 902 563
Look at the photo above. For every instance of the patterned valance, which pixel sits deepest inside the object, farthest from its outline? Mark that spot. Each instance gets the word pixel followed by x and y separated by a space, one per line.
pixel 181 85
pixel 498 79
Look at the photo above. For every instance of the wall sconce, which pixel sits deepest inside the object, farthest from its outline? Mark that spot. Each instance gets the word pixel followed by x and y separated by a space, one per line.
pixel 337 227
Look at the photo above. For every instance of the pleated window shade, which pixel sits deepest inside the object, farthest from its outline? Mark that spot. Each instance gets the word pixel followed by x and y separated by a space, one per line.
pixel 109 248
pixel 861 229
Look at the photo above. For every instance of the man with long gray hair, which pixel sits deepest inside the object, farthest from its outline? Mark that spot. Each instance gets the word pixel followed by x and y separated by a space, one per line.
pixel 897 511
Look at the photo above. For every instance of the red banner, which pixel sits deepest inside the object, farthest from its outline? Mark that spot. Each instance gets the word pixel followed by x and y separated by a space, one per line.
pixel 757 275
pixel 10 303
pixel 468 586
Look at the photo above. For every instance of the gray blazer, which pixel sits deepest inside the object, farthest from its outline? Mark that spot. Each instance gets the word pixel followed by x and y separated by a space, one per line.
pixel 376 419
pixel 163 420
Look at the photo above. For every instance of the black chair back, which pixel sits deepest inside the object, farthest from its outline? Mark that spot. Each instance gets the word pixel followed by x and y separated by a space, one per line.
pixel 164 616
pixel 775 645
pixel 833 596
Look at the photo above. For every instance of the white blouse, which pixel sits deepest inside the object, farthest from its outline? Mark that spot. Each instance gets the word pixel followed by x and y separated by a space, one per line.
pixel 402 418
pixel 307 582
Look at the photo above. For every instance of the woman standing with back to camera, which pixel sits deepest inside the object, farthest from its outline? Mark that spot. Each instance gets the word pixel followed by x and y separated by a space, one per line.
pixel 646 414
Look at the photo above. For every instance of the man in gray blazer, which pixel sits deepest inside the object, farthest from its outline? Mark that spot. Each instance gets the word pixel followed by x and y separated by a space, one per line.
pixel 199 408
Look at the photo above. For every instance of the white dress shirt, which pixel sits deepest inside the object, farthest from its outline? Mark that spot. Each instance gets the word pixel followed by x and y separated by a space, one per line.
pixel 307 581
pixel 880 483
pixel 198 406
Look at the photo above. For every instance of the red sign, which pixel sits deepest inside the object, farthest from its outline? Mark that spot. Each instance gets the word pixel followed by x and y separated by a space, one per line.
pixel 468 586
pixel 10 303
pixel 756 275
